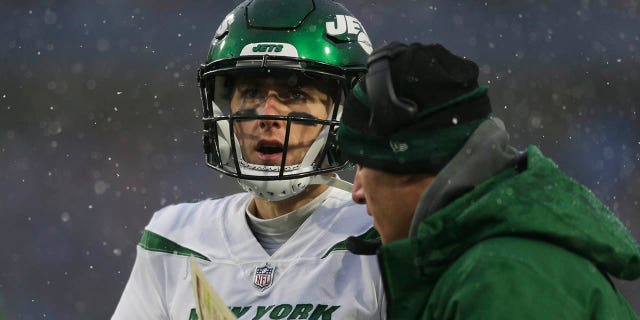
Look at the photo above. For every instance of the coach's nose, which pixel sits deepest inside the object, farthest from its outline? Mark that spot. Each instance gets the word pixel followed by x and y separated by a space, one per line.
pixel 357 192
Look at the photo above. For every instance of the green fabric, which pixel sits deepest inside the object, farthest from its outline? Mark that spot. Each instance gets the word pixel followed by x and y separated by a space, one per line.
pixel 407 146
pixel 155 242
pixel 370 234
pixel 193 315
pixel 521 245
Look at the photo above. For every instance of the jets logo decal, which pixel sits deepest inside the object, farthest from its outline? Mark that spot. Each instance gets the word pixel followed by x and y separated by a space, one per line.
pixel 223 29
pixel 343 26
pixel 270 48
pixel 265 47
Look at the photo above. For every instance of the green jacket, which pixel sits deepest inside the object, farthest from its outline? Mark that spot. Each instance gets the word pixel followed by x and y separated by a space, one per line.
pixel 523 244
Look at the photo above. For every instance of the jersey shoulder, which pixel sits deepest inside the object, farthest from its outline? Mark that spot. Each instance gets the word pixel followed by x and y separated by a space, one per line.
pixel 354 215
pixel 338 219
pixel 341 200
pixel 176 218
pixel 186 227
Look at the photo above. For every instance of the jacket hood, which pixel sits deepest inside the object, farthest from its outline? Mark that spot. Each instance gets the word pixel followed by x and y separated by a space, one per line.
pixel 528 197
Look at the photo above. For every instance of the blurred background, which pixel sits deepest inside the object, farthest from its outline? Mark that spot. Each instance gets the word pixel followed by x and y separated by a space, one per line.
pixel 100 120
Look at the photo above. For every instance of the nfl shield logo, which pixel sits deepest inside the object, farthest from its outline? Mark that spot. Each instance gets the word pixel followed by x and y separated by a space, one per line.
pixel 263 276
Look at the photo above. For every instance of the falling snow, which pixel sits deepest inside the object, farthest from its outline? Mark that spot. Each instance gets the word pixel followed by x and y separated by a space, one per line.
pixel 100 120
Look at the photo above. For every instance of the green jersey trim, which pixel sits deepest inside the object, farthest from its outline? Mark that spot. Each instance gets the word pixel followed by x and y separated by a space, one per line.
pixel 155 242
pixel 342 245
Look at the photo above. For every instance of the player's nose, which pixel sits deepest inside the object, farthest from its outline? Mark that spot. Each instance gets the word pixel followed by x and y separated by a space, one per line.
pixel 273 106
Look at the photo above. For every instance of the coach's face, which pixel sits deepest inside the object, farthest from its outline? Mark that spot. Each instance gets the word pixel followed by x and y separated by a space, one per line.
pixel 391 199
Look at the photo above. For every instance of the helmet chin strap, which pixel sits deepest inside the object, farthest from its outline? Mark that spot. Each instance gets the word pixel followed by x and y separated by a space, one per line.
pixel 276 190
pixel 332 182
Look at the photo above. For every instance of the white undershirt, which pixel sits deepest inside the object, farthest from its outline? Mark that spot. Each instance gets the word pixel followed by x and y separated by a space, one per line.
pixel 272 233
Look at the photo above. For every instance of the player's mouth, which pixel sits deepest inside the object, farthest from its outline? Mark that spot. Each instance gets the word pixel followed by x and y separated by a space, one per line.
pixel 269 150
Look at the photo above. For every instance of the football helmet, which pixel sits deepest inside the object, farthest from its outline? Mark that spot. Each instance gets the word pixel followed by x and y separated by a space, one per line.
pixel 301 41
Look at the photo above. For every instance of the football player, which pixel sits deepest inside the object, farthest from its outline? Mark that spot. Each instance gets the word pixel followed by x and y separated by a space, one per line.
pixel 272 89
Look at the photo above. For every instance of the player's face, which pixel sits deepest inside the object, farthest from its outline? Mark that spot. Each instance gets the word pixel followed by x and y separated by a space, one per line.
pixel 390 198
pixel 262 141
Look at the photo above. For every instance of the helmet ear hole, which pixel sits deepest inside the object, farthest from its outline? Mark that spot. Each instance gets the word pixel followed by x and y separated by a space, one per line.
pixel 355 80
pixel 221 139
pixel 334 154
pixel 333 150
pixel 224 150
pixel 208 148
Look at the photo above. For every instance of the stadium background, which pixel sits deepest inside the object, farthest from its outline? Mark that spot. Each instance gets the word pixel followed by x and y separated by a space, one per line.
pixel 100 120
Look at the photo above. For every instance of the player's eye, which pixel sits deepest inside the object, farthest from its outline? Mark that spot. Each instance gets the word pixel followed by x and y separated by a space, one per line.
pixel 250 93
pixel 298 95
pixel 245 113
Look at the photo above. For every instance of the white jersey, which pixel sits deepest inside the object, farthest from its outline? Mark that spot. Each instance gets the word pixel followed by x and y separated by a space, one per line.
pixel 311 276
